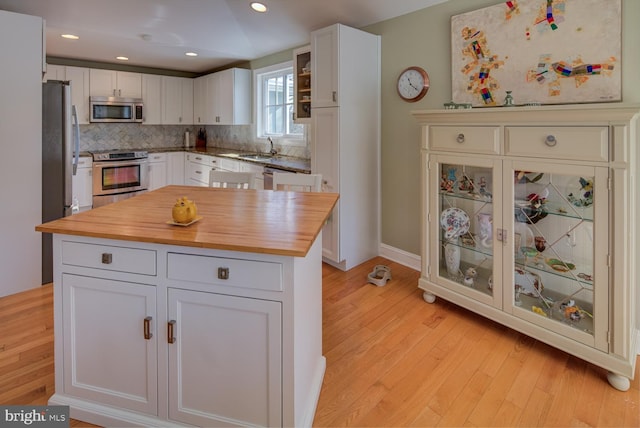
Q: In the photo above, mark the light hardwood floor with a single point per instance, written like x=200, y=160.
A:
x=392, y=360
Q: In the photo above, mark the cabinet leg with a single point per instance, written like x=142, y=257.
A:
x=428, y=297
x=619, y=382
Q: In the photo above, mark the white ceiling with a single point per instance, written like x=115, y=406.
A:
x=220, y=31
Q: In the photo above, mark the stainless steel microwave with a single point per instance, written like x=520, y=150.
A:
x=115, y=109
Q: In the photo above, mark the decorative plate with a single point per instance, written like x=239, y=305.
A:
x=175, y=223
x=454, y=222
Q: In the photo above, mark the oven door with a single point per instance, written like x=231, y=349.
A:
x=113, y=177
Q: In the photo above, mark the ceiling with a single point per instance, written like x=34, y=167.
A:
x=158, y=33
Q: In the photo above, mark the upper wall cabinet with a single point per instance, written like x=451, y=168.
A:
x=152, y=99
x=54, y=72
x=223, y=98
x=302, y=85
x=79, y=78
x=177, y=100
x=111, y=83
x=325, y=63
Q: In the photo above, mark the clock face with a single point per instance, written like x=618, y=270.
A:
x=413, y=84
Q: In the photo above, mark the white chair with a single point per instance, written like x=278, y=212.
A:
x=297, y=182
x=232, y=180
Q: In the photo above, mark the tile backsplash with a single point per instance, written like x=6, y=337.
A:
x=118, y=136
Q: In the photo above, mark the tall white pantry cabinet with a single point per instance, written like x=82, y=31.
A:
x=21, y=144
x=345, y=120
x=530, y=219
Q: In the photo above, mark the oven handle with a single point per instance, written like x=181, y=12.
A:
x=123, y=162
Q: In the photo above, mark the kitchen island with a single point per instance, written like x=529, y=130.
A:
x=216, y=323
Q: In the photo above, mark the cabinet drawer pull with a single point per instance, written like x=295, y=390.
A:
x=460, y=138
x=147, y=328
x=335, y=96
x=223, y=273
x=170, y=337
x=550, y=141
x=107, y=258
x=198, y=158
x=198, y=172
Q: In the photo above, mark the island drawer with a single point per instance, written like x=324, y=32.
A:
x=251, y=274
x=465, y=139
x=588, y=143
x=108, y=257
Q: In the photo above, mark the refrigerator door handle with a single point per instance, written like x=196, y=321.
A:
x=76, y=138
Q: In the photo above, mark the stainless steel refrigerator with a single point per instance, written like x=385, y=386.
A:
x=60, y=151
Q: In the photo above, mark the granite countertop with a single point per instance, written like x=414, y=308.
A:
x=282, y=162
x=278, y=161
x=292, y=224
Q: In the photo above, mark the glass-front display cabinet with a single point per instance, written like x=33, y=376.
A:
x=302, y=84
x=529, y=218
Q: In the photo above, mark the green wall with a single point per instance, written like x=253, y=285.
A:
x=423, y=38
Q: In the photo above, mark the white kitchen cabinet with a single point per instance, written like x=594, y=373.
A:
x=82, y=184
x=152, y=99
x=346, y=140
x=326, y=66
x=224, y=364
x=226, y=164
x=54, y=72
x=111, y=83
x=157, y=170
x=528, y=219
x=197, y=168
x=177, y=100
x=175, y=168
x=302, y=85
x=102, y=316
x=79, y=78
x=223, y=98
x=256, y=169
x=160, y=335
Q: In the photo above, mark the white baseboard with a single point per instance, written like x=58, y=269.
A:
x=400, y=256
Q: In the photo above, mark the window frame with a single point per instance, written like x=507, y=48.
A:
x=284, y=68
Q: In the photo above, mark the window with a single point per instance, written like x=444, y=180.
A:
x=274, y=103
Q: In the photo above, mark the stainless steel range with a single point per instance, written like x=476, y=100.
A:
x=119, y=175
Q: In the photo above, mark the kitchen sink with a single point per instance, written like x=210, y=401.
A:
x=258, y=157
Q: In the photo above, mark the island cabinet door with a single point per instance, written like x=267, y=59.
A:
x=110, y=342
x=225, y=360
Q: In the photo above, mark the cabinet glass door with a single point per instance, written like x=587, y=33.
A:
x=463, y=219
x=560, y=278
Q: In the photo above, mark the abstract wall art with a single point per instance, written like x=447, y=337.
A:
x=543, y=51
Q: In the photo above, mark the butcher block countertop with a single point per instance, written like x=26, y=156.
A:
x=256, y=221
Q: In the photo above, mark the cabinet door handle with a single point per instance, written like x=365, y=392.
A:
x=223, y=273
x=147, y=328
x=460, y=138
x=550, y=141
x=334, y=96
x=107, y=258
x=170, y=337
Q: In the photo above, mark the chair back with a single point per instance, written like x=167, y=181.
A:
x=232, y=180
x=297, y=182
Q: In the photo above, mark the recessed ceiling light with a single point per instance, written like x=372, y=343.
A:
x=258, y=7
x=122, y=58
x=70, y=36
x=191, y=54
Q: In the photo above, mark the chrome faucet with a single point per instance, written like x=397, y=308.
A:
x=273, y=152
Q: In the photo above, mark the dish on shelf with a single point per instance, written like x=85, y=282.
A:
x=455, y=222
x=175, y=223
x=559, y=265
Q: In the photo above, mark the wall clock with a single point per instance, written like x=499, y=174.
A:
x=413, y=84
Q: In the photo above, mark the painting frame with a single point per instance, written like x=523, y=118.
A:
x=542, y=51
